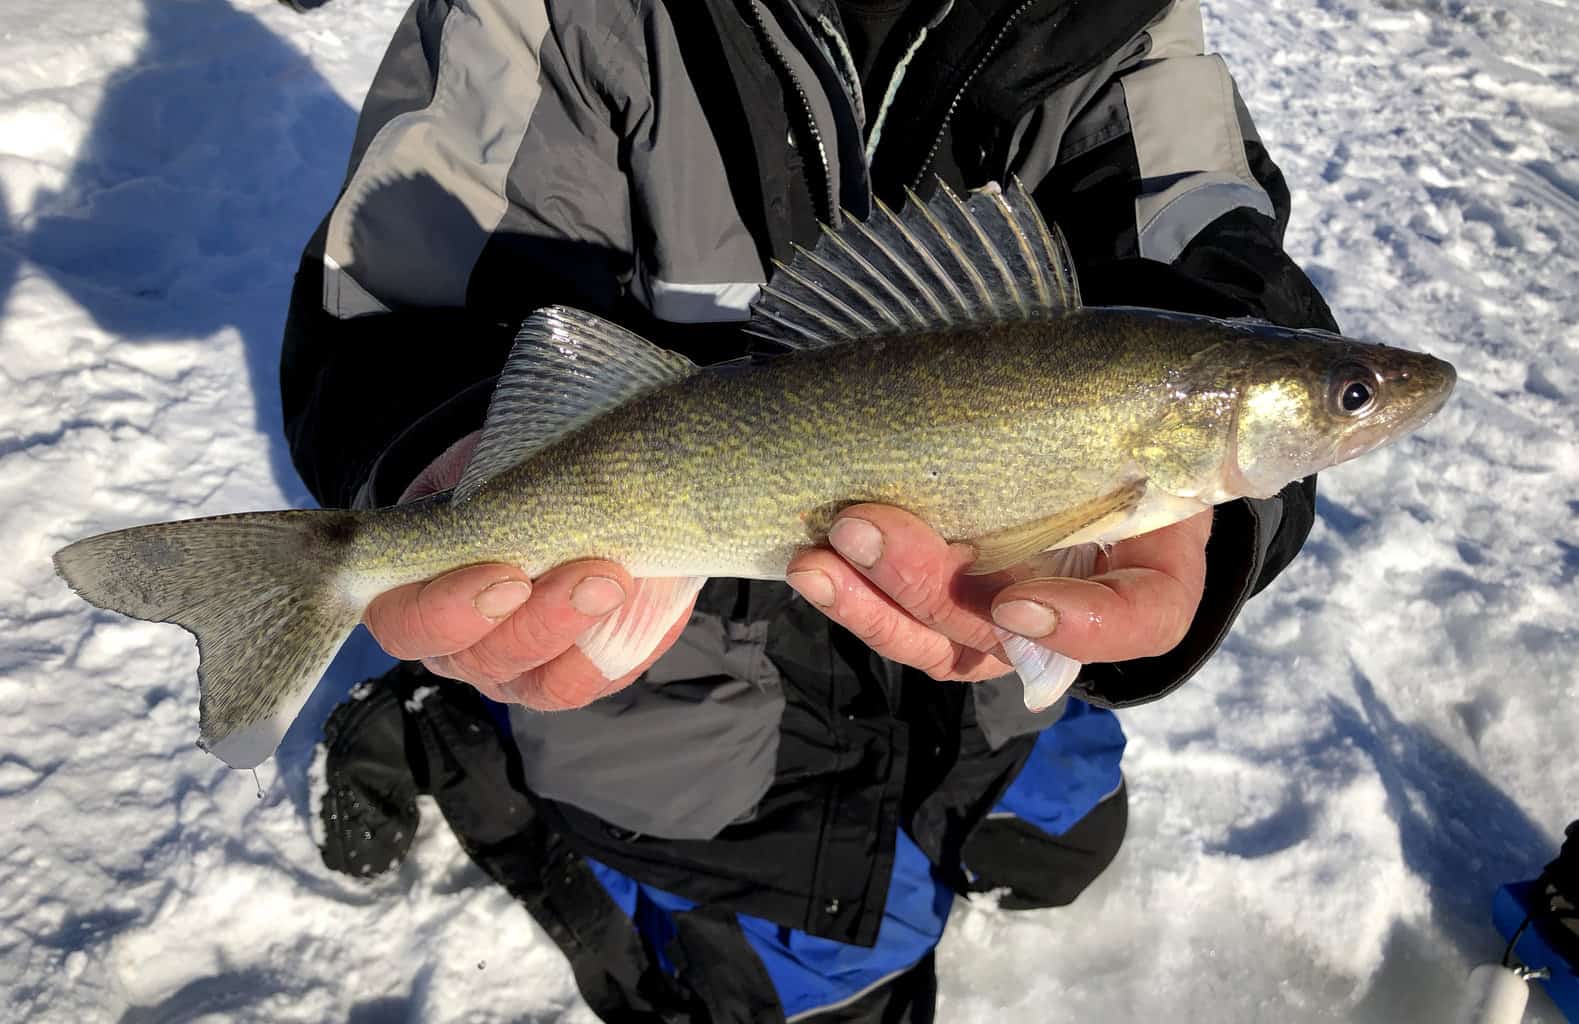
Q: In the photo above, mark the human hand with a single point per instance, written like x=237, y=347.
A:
x=899, y=586
x=511, y=637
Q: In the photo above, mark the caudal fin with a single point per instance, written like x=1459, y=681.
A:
x=261, y=592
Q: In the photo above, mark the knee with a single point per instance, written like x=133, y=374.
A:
x=1042, y=870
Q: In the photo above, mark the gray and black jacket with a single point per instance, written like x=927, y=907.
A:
x=647, y=160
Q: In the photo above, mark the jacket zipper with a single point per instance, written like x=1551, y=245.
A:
x=826, y=214
x=959, y=94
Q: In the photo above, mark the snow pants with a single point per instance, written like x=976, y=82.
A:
x=640, y=953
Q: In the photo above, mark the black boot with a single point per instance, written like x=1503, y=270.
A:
x=369, y=811
x=409, y=733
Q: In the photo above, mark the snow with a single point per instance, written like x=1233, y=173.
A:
x=1318, y=820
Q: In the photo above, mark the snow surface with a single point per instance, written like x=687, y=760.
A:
x=1318, y=821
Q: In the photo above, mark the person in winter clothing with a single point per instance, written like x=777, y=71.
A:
x=769, y=820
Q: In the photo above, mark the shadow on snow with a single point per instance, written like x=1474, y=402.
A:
x=208, y=163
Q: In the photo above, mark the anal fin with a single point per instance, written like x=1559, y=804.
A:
x=1018, y=544
x=625, y=638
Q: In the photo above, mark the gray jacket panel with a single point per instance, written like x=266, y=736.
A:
x=522, y=133
x=448, y=159
x=1184, y=115
x=685, y=751
x=1001, y=712
x=697, y=261
x=508, y=118
x=406, y=75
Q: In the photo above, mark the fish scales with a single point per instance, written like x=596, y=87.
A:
x=729, y=474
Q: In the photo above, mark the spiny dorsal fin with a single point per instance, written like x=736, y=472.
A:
x=946, y=262
x=567, y=368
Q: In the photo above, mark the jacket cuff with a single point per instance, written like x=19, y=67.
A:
x=415, y=448
x=1244, y=532
x=348, y=387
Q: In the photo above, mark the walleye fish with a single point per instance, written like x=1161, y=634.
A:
x=941, y=361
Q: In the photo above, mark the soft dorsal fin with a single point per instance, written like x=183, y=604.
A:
x=943, y=263
x=567, y=368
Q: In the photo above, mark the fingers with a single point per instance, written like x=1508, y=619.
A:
x=565, y=603
x=444, y=615
x=571, y=681
x=513, y=639
x=901, y=588
x=1141, y=607
x=897, y=585
x=488, y=625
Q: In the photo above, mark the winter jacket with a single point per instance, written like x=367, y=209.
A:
x=648, y=160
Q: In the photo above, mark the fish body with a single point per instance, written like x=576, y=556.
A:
x=1025, y=427
x=974, y=431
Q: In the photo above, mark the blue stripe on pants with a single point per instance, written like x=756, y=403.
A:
x=1073, y=767
x=808, y=972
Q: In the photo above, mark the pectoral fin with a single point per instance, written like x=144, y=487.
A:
x=998, y=551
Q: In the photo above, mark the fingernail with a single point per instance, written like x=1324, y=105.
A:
x=501, y=599
x=857, y=540
x=814, y=585
x=1026, y=618
x=597, y=595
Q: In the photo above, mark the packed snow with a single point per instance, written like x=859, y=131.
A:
x=1318, y=821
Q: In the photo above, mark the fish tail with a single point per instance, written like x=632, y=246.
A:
x=267, y=594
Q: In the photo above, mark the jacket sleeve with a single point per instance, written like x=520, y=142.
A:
x=495, y=170
x=485, y=181
x=1170, y=200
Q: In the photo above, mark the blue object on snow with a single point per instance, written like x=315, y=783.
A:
x=1508, y=911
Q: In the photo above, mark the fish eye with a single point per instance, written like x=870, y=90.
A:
x=1354, y=389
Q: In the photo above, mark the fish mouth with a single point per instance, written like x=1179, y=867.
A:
x=1446, y=380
